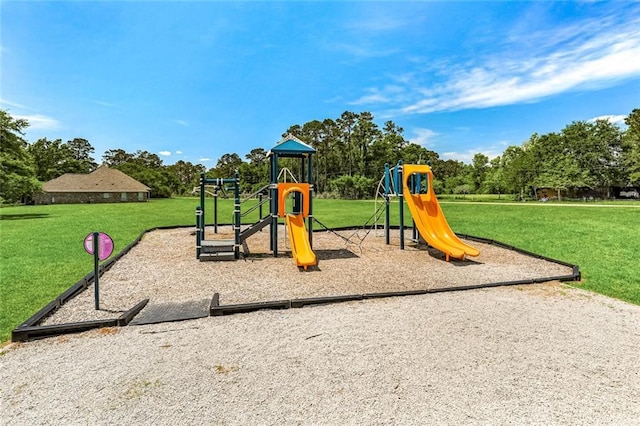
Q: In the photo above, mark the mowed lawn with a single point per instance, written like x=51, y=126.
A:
x=42, y=254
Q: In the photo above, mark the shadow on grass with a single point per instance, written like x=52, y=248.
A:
x=24, y=216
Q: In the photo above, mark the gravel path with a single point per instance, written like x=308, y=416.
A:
x=543, y=354
x=533, y=354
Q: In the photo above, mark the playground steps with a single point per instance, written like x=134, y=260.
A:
x=217, y=250
x=255, y=228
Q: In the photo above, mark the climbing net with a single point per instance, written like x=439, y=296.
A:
x=356, y=238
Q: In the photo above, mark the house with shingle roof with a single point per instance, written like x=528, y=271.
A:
x=103, y=185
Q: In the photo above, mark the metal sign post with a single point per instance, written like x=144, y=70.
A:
x=96, y=270
x=100, y=245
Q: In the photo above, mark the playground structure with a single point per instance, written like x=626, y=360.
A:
x=411, y=183
x=300, y=235
x=377, y=273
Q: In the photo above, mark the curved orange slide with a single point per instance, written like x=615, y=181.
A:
x=300, y=247
x=429, y=218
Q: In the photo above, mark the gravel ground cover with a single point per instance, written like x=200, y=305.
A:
x=163, y=268
x=532, y=354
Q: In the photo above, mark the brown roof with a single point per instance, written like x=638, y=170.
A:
x=103, y=179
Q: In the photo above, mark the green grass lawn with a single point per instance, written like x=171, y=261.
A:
x=42, y=255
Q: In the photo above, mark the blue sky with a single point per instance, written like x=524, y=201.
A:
x=193, y=80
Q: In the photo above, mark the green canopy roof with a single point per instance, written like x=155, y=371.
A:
x=290, y=145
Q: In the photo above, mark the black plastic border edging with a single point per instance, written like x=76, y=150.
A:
x=217, y=309
x=126, y=317
x=299, y=303
x=36, y=318
x=30, y=329
x=220, y=310
x=24, y=333
x=39, y=331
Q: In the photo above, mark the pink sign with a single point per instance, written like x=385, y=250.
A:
x=105, y=245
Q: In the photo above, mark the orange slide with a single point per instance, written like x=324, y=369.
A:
x=300, y=247
x=429, y=219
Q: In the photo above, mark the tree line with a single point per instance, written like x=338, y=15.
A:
x=351, y=152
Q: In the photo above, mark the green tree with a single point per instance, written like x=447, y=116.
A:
x=412, y=153
x=116, y=157
x=551, y=163
x=452, y=172
x=144, y=167
x=366, y=133
x=595, y=148
x=518, y=169
x=227, y=166
x=185, y=176
x=81, y=151
x=255, y=173
x=353, y=187
x=479, y=168
x=353, y=145
x=322, y=135
x=631, y=148
x=53, y=159
x=495, y=181
x=387, y=148
x=346, y=142
x=17, y=173
x=608, y=162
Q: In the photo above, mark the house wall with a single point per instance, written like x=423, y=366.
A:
x=90, y=197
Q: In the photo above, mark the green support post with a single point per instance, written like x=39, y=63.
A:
x=310, y=217
x=236, y=211
x=401, y=199
x=387, y=219
x=215, y=210
x=274, y=204
x=202, y=184
x=199, y=231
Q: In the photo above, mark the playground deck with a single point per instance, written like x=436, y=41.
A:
x=163, y=268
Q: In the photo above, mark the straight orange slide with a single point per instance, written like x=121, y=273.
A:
x=300, y=247
x=429, y=219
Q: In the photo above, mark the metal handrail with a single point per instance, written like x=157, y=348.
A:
x=258, y=192
x=254, y=208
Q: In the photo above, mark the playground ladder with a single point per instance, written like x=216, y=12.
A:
x=217, y=250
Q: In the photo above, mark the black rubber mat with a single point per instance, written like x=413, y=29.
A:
x=167, y=312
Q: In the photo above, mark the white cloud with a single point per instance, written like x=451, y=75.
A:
x=204, y=159
x=372, y=98
x=467, y=155
x=181, y=122
x=528, y=67
x=423, y=136
x=390, y=93
x=104, y=104
x=178, y=152
x=363, y=50
x=12, y=104
x=40, y=122
x=165, y=153
x=613, y=119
